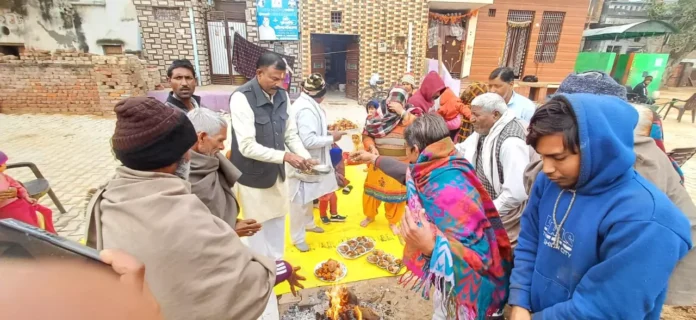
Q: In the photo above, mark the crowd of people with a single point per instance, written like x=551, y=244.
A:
x=570, y=210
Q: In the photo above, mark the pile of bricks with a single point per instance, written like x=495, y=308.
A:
x=71, y=82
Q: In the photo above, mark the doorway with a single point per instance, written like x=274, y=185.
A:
x=336, y=57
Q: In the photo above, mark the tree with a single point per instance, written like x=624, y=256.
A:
x=682, y=15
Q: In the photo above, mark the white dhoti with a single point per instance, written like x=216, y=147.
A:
x=268, y=207
x=301, y=219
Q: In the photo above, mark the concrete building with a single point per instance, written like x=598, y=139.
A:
x=617, y=12
x=94, y=26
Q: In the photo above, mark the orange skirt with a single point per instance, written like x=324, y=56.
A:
x=383, y=187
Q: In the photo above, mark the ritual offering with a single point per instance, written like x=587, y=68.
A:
x=343, y=124
x=385, y=261
x=355, y=247
x=330, y=271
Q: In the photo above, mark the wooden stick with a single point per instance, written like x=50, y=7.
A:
x=439, y=56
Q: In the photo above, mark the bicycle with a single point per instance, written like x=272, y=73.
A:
x=373, y=92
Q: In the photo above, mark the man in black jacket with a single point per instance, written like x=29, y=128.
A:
x=182, y=78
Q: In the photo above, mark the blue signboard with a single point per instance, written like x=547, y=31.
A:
x=277, y=19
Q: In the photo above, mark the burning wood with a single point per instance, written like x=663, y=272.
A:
x=344, y=305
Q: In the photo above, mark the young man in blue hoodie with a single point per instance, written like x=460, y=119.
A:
x=598, y=241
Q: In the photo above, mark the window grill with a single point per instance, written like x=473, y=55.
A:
x=549, y=37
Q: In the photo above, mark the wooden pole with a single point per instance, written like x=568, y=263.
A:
x=439, y=56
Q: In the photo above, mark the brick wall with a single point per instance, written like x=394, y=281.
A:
x=290, y=48
x=166, y=31
x=374, y=21
x=70, y=82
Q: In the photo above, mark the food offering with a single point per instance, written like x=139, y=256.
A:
x=330, y=271
x=356, y=247
x=343, y=124
x=385, y=261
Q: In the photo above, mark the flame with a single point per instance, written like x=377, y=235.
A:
x=338, y=304
x=357, y=313
x=335, y=303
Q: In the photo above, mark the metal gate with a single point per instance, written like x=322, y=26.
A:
x=220, y=42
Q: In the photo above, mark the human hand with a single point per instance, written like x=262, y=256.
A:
x=247, y=228
x=337, y=135
x=419, y=237
x=10, y=193
x=131, y=272
x=362, y=156
x=294, y=280
x=519, y=313
x=296, y=161
x=374, y=150
x=32, y=200
x=398, y=108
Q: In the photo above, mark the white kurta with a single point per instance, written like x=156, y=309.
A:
x=515, y=155
x=312, y=127
x=262, y=204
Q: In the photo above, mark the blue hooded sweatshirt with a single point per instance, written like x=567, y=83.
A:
x=622, y=236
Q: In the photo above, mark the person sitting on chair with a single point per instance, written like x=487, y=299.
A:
x=641, y=91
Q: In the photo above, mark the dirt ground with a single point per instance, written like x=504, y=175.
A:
x=394, y=302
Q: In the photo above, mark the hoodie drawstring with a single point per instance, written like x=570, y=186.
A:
x=559, y=226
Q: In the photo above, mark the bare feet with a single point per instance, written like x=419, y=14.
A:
x=366, y=222
x=394, y=229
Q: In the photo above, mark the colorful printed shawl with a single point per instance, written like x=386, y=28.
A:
x=471, y=262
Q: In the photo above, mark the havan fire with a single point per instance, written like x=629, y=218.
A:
x=344, y=305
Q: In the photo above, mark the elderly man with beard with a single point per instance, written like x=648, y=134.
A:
x=197, y=266
x=499, y=153
x=212, y=175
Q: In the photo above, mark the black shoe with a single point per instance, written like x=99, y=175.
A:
x=337, y=218
x=325, y=220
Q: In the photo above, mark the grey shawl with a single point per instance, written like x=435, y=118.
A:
x=212, y=179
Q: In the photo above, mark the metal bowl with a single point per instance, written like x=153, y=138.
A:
x=321, y=168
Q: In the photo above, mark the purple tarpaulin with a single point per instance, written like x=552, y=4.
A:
x=214, y=100
x=454, y=84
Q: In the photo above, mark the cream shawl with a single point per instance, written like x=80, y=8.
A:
x=211, y=181
x=196, y=265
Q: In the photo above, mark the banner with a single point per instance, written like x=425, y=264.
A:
x=277, y=20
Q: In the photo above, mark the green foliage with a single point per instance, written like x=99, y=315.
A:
x=682, y=15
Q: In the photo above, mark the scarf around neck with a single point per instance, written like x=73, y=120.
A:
x=471, y=262
x=383, y=123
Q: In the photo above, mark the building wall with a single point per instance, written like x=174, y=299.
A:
x=289, y=48
x=69, y=24
x=80, y=83
x=491, y=33
x=166, y=34
x=374, y=21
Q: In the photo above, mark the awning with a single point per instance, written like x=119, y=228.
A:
x=647, y=28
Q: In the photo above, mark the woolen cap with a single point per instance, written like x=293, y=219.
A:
x=593, y=82
x=150, y=135
x=314, y=86
x=409, y=78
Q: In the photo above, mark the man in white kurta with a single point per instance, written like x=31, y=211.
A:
x=499, y=153
x=313, y=131
x=261, y=130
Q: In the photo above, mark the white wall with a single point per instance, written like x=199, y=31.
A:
x=115, y=20
x=101, y=19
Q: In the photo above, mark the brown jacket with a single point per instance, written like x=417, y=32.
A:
x=655, y=166
x=196, y=265
x=212, y=179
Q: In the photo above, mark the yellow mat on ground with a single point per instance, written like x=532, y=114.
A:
x=323, y=245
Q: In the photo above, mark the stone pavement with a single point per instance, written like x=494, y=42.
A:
x=74, y=153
